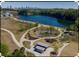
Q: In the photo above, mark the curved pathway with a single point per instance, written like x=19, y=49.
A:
x=19, y=44
x=32, y=41
x=22, y=38
x=62, y=48
x=13, y=37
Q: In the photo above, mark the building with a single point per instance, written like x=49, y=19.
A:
x=6, y=14
x=40, y=47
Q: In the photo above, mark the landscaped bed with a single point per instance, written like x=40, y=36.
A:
x=30, y=37
x=27, y=44
x=68, y=37
x=44, y=31
x=29, y=54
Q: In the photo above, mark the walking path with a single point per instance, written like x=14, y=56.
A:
x=15, y=41
x=23, y=36
x=19, y=44
x=62, y=48
x=32, y=41
x=13, y=37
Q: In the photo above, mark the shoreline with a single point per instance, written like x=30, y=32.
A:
x=22, y=20
x=16, y=19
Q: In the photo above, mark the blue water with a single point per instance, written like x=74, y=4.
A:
x=42, y=19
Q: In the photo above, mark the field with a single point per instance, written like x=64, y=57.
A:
x=70, y=50
x=6, y=39
x=16, y=27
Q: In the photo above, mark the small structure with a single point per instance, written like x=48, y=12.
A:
x=71, y=33
x=6, y=14
x=40, y=47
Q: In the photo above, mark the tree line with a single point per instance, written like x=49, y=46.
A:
x=67, y=17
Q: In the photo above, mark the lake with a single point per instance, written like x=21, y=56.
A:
x=42, y=19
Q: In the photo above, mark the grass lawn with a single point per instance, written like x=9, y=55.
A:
x=29, y=54
x=27, y=44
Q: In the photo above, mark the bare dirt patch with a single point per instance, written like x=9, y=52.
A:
x=16, y=27
x=70, y=50
x=6, y=39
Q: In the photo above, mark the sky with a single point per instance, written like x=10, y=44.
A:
x=44, y=4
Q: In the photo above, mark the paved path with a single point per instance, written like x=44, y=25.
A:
x=62, y=48
x=22, y=39
x=32, y=41
x=15, y=41
x=19, y=44
x=13, y=37
x=23, y=36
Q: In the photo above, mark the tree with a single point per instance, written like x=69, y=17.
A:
x=4, y=49
x=21, y=52
x=18, y=52
x=77, y=24
x=14, y=53
x=29, y=54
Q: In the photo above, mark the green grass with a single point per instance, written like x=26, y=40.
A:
x=29, y=54
x=27, y=44
x=4, y=49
